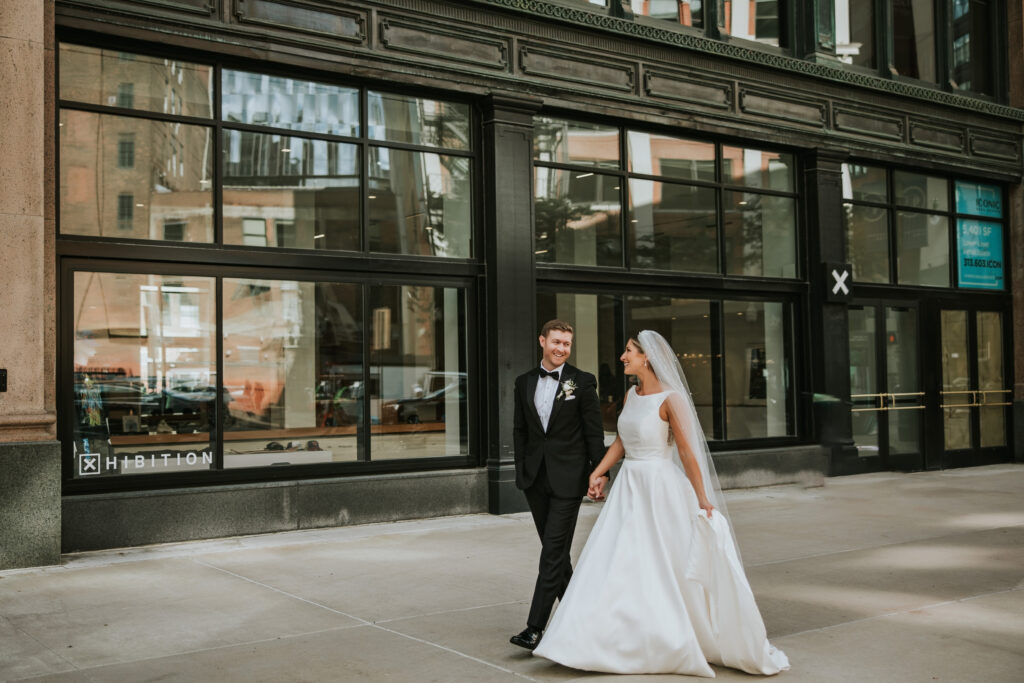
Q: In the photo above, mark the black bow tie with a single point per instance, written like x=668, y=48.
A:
x=544, y=373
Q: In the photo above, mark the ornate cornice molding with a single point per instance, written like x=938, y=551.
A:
x=624, y=27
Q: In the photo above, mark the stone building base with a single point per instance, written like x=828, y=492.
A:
x=114, y=520
x=29, y=504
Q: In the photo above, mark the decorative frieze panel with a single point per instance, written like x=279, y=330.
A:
x=573, y=68
x=772, y=105
x=936, y=137
x=196, y=8
x=207, y=7
x=871, y=124
x=452, y=46
x=437, y=43
x=994, y=148
x=688, y=89
x=337, y=24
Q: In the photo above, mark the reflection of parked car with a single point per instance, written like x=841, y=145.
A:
x=429, y=407
x=193, y=398
x=117, y=397
x=345, y=407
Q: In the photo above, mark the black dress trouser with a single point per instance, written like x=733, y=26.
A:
x=555, y=519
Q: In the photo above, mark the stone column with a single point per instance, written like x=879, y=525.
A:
x=29, y=453
x=510, y=299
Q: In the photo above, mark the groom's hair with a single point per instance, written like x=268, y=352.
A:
x=556, y=324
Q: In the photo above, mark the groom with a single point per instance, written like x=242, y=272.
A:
x=559, y=441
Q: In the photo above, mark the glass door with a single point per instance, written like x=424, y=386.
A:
x=885, y=385
x=975, y=394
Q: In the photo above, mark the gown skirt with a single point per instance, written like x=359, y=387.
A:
x=659, y=587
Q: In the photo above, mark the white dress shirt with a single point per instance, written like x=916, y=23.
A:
x=544, y=397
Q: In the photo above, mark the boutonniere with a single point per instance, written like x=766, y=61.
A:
x=568, y=389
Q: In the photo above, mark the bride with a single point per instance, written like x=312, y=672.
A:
x=659, y=587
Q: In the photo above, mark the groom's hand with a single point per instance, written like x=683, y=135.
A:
x=596, y=490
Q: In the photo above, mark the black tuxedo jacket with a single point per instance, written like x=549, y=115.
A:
x=573, y=444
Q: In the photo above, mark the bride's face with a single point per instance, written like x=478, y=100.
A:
x=632, y=358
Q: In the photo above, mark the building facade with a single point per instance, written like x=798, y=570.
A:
x=274, y=264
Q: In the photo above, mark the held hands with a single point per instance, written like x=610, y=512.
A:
x=596, y=490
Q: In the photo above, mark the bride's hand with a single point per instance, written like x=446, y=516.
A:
x=596, y=490
x=706, y=506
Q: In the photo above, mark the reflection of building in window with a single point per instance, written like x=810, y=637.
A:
x=688, y=167
x=854, y=32
x=962, y=50
x=254, y=232
x=126, y=95
x=174, y=230
x=125, y=211
x=126, y=150
x=758, y=20
x=285, y=233
x=914, y=38
x=683, y=12
x=971, y=71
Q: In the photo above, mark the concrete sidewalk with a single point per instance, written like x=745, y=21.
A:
x=884, y=577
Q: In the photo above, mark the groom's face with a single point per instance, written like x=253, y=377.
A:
x=556, y=348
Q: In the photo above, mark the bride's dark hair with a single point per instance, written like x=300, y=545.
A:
x=635, y=338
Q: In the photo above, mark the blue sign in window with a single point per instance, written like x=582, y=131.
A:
x=979, y=253
x=979, y=199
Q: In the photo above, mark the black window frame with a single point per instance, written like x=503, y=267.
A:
x=623, y=281
x=892, y=207
x=719, y=185
x=795, y=316
x=215, y=259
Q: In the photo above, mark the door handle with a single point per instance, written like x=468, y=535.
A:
x=892, y=401
x=984, y=402
x=973, y=399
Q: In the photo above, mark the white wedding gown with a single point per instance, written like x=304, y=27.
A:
x=658, y=587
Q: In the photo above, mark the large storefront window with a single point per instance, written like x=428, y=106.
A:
x=298, y=387
x=292, y=364
x=692, y=206
x=282, y=191
x=737, y=355
x=229, y=361
x=418, y=386
x=758, y=391
x=909, y=228
x=135, y=178
x=686, y=325
x=145, y=373
x=596, y=344
x=299, y=170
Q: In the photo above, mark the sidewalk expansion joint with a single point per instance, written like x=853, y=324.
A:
x=365, y=622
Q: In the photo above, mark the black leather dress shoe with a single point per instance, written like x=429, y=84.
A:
x=528, y=638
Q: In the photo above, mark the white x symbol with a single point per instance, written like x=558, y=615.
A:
x=840, y=282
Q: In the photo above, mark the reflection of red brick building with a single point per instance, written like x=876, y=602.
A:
x=133, y=177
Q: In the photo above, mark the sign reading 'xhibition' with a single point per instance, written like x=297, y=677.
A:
x=97, y=463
